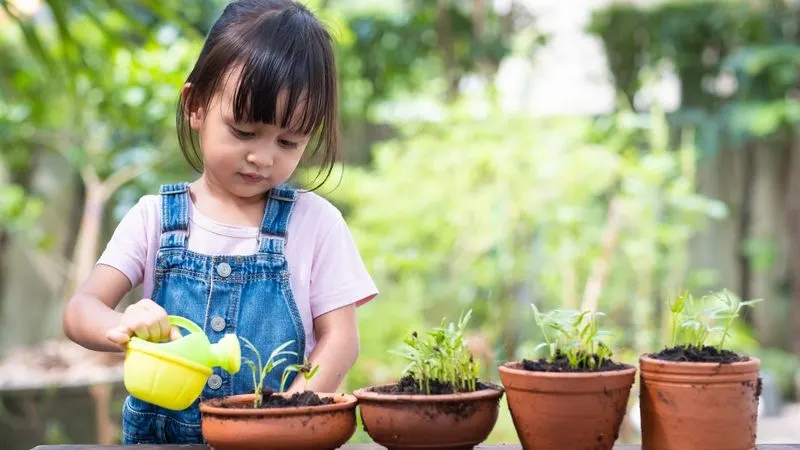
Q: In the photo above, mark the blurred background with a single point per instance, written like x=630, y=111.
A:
x=581, y=153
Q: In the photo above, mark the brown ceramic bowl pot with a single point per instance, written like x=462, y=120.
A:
x=567, y=410
x=710, y=406
x=449, y=421
x=227, y=425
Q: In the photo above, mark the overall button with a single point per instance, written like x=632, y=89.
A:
x=215, y=381
x=224, y=269
x=217, y=323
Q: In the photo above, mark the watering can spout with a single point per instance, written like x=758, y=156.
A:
x=227, y=354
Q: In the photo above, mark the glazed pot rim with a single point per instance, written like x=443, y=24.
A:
x=342, y=402
x=368, y=393
x=512, y=368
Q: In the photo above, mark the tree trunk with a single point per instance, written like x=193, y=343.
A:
x=75, y=218
x=85, y=253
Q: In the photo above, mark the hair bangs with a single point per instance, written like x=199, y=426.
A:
x=275, y=86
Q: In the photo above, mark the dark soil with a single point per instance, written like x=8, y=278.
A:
x=561, y=364
x=409, y=386
x=696, y=354
x=307, y=398
x=462, y=410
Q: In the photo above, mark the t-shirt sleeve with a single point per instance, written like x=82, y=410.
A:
x=338, y=275
x=127, y=249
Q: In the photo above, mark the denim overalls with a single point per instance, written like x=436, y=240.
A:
x=247, y=295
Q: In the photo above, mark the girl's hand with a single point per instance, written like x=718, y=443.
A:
x=145, y=319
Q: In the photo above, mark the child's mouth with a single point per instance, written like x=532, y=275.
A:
x=252, y=178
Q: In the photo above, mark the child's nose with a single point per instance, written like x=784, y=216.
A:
x=260, y=158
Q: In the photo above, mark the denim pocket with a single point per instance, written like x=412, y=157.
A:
x=143, y=423
x=138, y=425
x=183, y=427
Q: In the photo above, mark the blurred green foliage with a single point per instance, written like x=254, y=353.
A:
x=710, y=43
x=472, y=213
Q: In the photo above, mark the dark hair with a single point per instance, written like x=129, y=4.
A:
x=278, y=45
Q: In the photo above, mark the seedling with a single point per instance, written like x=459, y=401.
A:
x=260, y=371
x=304, y=369
x=693, y=322
x=573, y=334
x=442, y=355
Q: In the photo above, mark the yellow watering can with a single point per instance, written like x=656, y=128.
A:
x=172, y=374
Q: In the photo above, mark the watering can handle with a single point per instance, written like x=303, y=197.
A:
x=184, y=323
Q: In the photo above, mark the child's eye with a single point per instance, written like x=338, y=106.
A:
x=241, y=134
x=287, y=144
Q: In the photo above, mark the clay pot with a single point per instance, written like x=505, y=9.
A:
x=227, y=426
x=450, y=421
x=566, y=410
x=686, y=405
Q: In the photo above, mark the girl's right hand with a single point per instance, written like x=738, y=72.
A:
x=145, y=319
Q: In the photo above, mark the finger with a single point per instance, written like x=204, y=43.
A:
x=164, y=328
x=142, y=330
x=157, y=323
x=154, y=329
x=136, y=321
x=118, y=336
x=174, y=333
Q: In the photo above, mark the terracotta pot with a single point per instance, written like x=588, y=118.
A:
x=226, y=426
x=451, y=421
x=580, y=410
x=709, y=406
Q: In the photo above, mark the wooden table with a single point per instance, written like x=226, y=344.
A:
x=346, y=447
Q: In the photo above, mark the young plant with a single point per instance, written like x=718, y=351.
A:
x=260, y=371
x=573, y=335
x=694, y=322
x=304, y=369
x=442, y=356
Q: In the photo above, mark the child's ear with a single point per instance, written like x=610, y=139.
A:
x=196, y=115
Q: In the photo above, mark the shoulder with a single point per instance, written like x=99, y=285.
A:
x=312, y=209
x=148, y=206
x=144, y=215
x=150, y=202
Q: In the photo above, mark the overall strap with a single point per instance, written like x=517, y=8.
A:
x=174, y=215
x=278, y=210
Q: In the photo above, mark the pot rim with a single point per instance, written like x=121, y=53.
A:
x=368, y=394
x=342, y=402
x=511, y=368
x=650, y=364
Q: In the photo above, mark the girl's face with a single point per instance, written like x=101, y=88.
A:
x=246, y=159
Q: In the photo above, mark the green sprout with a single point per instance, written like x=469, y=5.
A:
x=304, y=369
x=574, y=335
x=260, y=371
x=442, y=355
x=693, y=322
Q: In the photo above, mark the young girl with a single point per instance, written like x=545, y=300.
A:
x=238, y=250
